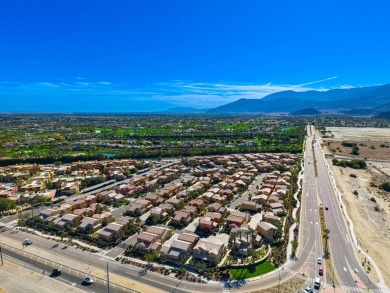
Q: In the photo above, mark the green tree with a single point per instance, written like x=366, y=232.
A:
x=294, y=244
x=150, y=257
x=6, y=205
x=385, y=186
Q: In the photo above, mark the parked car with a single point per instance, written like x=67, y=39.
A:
x=320, y=271
x=27, y=242
x=56, y=272
x=308, y=290
x=319, y=261
x=87, y=281
x=326, y=208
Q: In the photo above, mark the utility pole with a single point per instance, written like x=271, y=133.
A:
x=1, y=256
x=108, y=281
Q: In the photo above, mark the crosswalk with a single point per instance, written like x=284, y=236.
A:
x=360, y=290
x=348, y=289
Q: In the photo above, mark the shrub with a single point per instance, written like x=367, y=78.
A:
x=352, y=175
x=354, y=164
x=348, y=144
x=355, y=192
x=373, y=199
x=385, y=186
x=355, y=151
x=377, y=208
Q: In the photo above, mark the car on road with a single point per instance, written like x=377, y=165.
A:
x=317, y=283
x=326, y=208
x=27, y=242
x=320, y=271
x=87, y=281
x=56, y=272
x=308, y=290
x=319, y=261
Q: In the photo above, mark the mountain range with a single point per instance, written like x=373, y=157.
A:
x=358, y=101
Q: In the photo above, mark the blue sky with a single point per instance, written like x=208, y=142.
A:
x=130, y=56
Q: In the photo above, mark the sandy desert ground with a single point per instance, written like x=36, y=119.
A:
x=358, y=133
x=369, y=210
x=374, y=150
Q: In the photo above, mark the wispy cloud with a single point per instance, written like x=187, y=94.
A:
x=316, y=81
x=178, y=92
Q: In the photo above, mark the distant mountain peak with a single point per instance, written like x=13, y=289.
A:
x=289, y=101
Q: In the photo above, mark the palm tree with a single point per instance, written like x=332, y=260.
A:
x=233, y=236
x=326, y=238
x=138, y=222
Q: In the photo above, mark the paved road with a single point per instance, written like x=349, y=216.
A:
x=65, y=277
x=347, y=267
x=252, y=189
x=98, y=260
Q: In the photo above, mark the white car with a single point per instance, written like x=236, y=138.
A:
x=88, y=281
x=308, y=290
x=27, y=242
x=319, y=261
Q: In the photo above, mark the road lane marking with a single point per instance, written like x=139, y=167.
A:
x=344, y=269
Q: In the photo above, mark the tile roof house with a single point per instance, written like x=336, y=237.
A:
x=103, y=217
x=190, y=209
x=209, y=249
x=261, y=198
x=152, y=239
x=89, y=224
x=139, y=207
x=181, y=247
x=248, y=205
x=176, y=202
x=237, y=220
x=67, y=220
x=162, y=232
x=206, y=224
x=47, y=213
x=111, y=231
x=154, y=199
x=181, y=218
x=198, y=203
x=214, y=207
x=158, y=213
x=267, y=230
x=271, y=218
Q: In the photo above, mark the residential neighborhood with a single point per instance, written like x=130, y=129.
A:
x=194, y=211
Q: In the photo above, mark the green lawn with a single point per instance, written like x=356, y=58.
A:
x=235, y=126
x=261, y=269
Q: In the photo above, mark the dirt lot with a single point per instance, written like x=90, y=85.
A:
x=374, y=150
x=358, y=133
x=369, y=210
x=11, y=275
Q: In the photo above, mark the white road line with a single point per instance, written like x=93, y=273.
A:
x=344, y=269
